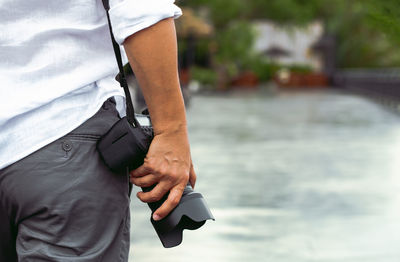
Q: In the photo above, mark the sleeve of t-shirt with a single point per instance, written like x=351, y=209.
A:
x=130, y=16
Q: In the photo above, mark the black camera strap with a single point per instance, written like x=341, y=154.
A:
x=130, y=111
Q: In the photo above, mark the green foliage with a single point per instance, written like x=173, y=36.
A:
x=367, y=31
x=235, y=42
x=283, y=11
x=263, y=68
x=222, y=12
x=359, y=44
x=385, y=15
x=298, y=68
x=205, y=76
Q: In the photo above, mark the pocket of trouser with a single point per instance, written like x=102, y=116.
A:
x=99, y=123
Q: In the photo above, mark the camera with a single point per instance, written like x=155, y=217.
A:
x=124, y=147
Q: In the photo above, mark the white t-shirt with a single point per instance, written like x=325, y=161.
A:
x=57, y=65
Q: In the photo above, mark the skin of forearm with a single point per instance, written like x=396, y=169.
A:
x=152, y=54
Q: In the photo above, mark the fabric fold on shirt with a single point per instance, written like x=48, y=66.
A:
x=130, y=16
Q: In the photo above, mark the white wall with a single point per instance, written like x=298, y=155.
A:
x=296, y=40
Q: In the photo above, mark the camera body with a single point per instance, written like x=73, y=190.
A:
x=125, y=146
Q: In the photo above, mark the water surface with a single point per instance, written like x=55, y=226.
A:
x=290, y=177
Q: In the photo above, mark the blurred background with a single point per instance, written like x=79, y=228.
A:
x=293, y=110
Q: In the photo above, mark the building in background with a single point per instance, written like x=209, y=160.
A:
x=289, y=46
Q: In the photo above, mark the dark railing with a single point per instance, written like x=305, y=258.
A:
x=375, y=82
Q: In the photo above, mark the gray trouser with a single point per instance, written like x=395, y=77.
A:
x=61, y=203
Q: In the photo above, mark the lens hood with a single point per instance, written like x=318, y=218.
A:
x=191, y=213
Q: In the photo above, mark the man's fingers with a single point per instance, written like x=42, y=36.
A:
x=155, y=194
x=192, y=176
x=140, y=171
x=144, y=181
x=172, y=201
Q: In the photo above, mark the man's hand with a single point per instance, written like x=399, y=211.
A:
x=167, y=164
x=152, y=54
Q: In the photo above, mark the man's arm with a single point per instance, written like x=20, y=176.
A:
x=152, y=54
